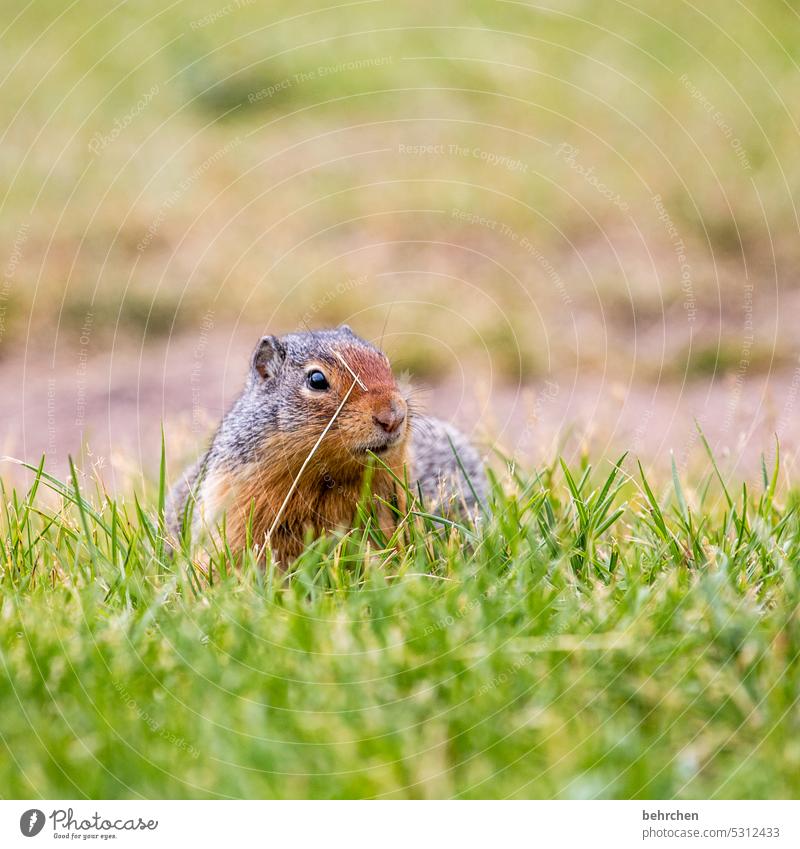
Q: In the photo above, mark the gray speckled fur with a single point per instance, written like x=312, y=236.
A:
x=271, y=401
x=435, y=468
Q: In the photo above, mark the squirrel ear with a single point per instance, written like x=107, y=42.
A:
x=346, y=328
x=268, y=357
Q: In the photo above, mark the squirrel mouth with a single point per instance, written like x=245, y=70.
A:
x=377, y=449
x=380, y=447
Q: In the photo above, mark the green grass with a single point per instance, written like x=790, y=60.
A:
x=591, y=637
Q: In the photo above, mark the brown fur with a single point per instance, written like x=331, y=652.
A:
x=319, y=503
x=316, y=506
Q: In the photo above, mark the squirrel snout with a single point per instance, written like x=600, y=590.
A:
x=390, y=418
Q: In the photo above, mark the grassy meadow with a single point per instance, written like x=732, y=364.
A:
x=587, y=638
x=520, y=199
x=554, y=186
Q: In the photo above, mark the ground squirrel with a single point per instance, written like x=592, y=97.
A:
x=314, y=406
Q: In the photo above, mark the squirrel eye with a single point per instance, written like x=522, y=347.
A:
x=317, y=380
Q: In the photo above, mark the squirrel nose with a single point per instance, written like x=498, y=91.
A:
x=390, y=418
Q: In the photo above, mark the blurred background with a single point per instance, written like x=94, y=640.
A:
x=574, y=224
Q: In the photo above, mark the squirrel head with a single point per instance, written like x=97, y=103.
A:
x=312, y=379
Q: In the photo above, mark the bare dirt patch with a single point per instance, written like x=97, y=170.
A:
x=109, y=409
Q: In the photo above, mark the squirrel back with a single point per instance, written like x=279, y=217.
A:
x=289, y=458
